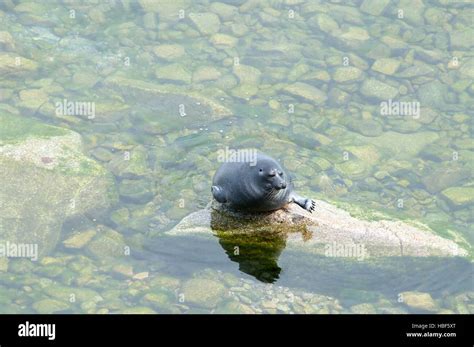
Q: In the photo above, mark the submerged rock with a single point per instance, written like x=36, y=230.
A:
x=459, y=196
x=203, y=292
x=323, y=232
x=374, y=7
x=373, y=88
x=12, y=64
x=46, y=178
x=419, y=300
x=207, y=23
x=307, y=92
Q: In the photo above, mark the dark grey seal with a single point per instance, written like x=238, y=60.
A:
x=257, y=186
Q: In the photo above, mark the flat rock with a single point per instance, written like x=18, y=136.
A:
x=328, y=226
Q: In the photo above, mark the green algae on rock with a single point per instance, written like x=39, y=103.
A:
x=47, y=179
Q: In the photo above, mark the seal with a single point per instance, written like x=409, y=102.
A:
x=258, y=186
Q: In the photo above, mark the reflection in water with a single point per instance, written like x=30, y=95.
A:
x=257, y=255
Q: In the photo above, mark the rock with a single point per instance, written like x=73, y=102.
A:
x=136, y=191
x=355, y=35
x=12, y=64
x=319, y=75
x=373, y=88
x=80, y=239
x=173, y=73
x=169, y=52
x=3, y=264
x=123, y=270
x=6, y=40
x=32, y=99
x=374, y=7
x=84, y=79
x=353, y=169
x=168, y=94
x=46, y=178
x=225, y=11
x=367, y=127
x=387, y=66
x=239, y=29
x=149, y=20
x=141, y=276
x=459, y=196
x=324, y=22
x=223, y=40
x=467, y=69
x=433, y=94
x=245, y=91
x=130, y=164
x=413, y=11
x=167, y=282
x=207, y=23
x=120, y=217
x=462, y=38
x=312, y=233
x=137, y=310
x=402, y=145
x=307, y=92
x=365, y=308
x=158, y=299
x=48, y=306
x=203, y=292
x=96, y=15
x=347, y=74
x=444, y=177
x=107, y=243
x=417, y=70
x=419, y=301
x=234, y=307
x=247, y=74
x=167, y=10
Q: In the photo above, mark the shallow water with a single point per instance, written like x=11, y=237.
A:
x=175, y=83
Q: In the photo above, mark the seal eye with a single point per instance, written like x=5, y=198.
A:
x=280, y=173
x=261, y=170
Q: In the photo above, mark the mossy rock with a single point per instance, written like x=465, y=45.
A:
x=48, y=306
x=47, y=179
x=203, y=292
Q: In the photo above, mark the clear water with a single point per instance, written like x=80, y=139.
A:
x=301, y=81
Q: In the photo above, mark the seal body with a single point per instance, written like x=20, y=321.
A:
x=261, y=185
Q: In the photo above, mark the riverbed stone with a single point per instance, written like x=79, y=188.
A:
x=419, y=300
x=80, y=239
x=306, y=92
x=205, y=293
x=207, y=23
x=373, y=88
x=247, y=74
x=11, y=63
x=459, y=196
x=175, y=73
x=374, y=7
x=387, y=66
x=48, y=179
x=347, y=74
x=169, y=52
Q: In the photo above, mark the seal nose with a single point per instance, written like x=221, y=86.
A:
x=283, y=185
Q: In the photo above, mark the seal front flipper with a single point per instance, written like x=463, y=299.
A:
x=219, y=194
x=307, y=204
